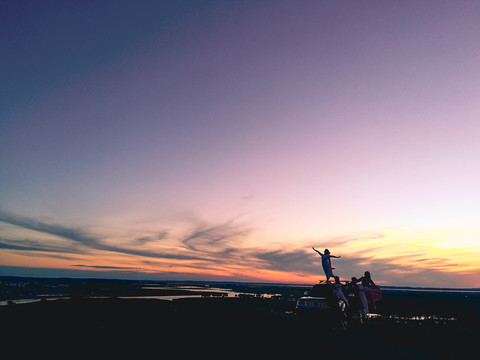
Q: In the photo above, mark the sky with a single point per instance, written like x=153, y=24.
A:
x=221, y=140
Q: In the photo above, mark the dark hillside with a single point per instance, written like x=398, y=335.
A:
x=219, y=327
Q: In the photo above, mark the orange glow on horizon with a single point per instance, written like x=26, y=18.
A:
x=395, y=257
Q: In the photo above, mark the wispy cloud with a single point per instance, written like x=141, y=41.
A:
x=73, y=234
x=229, y=249
x=105, y=267
x=216, y=239
x=209, y=247
x=33, y=248
x=154, y=238
x=290, y=260
x=79, y=240
x=30, y=245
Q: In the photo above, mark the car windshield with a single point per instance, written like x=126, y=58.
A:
x=323, y=290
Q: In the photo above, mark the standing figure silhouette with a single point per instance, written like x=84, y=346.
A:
x=326, y=264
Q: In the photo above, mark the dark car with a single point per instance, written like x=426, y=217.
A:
x=322, y=307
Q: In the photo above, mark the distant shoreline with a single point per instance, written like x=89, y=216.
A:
x=433, y=289
x=4, y=278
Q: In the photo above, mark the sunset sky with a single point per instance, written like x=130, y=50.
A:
x=221, y=140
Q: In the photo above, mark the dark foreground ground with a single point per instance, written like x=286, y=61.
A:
x=225, y=327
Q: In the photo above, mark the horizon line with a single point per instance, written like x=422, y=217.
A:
x=386, y=287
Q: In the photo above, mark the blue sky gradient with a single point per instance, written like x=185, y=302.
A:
x=225, y=138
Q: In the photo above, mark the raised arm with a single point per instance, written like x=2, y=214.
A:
x=319, y=253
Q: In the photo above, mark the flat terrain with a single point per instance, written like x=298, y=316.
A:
x=254, y=327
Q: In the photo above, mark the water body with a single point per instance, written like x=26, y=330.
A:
x=213, y=290
x=28, y=301
x=162, y=297
x=469, y=291
x=193, y=289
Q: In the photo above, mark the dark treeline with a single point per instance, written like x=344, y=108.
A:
x=219, y=327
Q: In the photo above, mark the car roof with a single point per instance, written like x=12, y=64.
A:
x=322, y=290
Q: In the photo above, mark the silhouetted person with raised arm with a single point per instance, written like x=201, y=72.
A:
x=326, y=264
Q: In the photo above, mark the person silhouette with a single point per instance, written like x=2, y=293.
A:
x=337, y=290
x=363, y=298
x=327, y=267
x=372, y=291
x=353, y=294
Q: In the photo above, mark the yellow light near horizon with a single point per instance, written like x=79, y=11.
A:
x=449, y=251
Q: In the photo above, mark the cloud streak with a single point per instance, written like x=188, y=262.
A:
x=79, y=240
x=225, y=250
x=294, y=260
x=104, y=267
x=75, y=235
x=216, y=240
